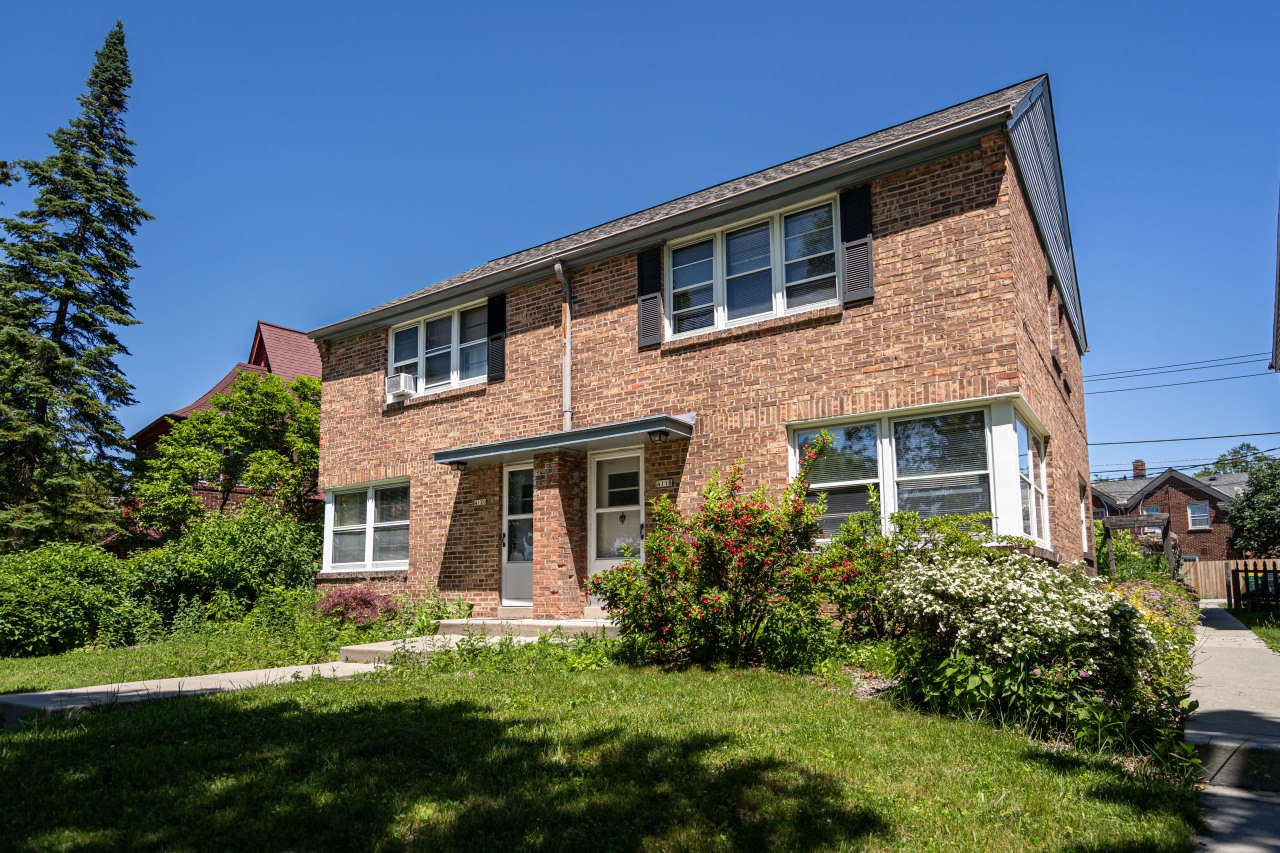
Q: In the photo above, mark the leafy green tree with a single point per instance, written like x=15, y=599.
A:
x=1241, y=459
x=264, y=434
x=1254, y=515
x=63, y=293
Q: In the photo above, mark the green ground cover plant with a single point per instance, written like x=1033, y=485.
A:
x=511, y=753
x=286, y=627
x=1264, y=623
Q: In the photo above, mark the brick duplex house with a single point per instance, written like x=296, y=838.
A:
x=1194, y=504
x=498, y=435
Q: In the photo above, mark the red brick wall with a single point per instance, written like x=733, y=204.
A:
x=1050, y=376
x=953, y=277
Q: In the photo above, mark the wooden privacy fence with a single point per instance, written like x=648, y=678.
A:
x=1255, y=579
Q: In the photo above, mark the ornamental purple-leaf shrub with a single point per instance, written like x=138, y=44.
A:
x=356, y=605
x=735, y=581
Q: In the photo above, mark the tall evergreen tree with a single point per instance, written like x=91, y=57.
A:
x=64, y=291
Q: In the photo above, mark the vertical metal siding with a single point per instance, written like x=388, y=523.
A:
x=1035, y=150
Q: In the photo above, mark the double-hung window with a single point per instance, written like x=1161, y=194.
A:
x=445, y=351
x=369, y=527
x=784, y=263
x=1031, y=483
x=1198, y=516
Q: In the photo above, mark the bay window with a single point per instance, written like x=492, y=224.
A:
x=445, y=351
x=367, y=527
x=933, y=464
x=782, y=263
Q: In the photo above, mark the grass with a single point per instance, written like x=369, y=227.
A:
x=1266, y=624
x=543, y=759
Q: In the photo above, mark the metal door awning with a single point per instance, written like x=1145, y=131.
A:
x=606, y=437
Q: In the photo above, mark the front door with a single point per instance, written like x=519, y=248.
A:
x=616, y=520
x=517, y=536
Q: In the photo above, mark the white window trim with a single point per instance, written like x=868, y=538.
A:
x=777, y=261
x=1208, y=514
x=1038, y=483
x=998, y=459
x=327, y=565
x=455, y=346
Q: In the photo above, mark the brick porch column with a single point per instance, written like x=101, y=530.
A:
x=559, y=534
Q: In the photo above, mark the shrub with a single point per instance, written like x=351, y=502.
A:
x=863, y=544
x=1014, y=638
x=733, y=582
x=357, y=605
x=58, y=596
x=239, y=553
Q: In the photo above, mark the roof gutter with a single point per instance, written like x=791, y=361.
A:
x=860, y=168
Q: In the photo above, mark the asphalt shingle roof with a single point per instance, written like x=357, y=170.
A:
x=290, y=353
x=1005, y=98
x=1123, y=491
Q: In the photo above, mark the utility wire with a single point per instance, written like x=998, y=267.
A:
x=1175, y=364
x=1172, y=384
x=1175, y=370
x=1191, y=463
x=1193, y=438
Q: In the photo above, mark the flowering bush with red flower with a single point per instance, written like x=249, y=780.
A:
x=736, y=581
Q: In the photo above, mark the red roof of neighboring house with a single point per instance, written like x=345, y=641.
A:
x=284, y=352
x=278, y=350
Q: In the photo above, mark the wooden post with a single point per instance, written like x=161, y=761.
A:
x=1168, y=552
x=1111, y=557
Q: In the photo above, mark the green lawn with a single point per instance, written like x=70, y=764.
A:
x=1266, y=624
x=540, y=760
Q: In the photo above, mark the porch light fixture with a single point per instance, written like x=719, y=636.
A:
x=458, y=466
x=659, y=436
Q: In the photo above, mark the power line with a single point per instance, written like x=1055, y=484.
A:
x=1175, y=364
x=1172, y=384
x=1193, y=438
x=1140, y=374
x=1191, y=463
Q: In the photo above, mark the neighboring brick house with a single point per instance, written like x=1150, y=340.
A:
x=1194, y=504
x=498, y=435
x=278, y=350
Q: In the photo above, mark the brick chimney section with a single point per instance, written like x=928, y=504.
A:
x=1139, y=469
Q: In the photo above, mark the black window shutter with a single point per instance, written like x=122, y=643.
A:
x=649, y=296
x=497, y=356
x=855, y=237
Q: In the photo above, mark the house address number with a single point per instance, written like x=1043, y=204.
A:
x=665, y=484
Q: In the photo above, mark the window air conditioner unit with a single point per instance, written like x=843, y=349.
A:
x=401, y=385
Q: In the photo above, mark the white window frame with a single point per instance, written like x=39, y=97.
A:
x=370, y=524
x=886, y=457
x=777, y=250
x=507, y=565
x=1086, y=520
x=455, y=351
x=1208, y=516
x=1037, y=482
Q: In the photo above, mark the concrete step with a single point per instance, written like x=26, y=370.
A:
x=525, y=627
x=50, y=703
x=1237, y=761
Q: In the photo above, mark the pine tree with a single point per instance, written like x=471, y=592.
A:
x=64, y=290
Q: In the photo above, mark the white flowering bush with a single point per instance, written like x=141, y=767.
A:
x=1010, y=606
x=1008, y=636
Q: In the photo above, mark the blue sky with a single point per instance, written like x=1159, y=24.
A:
x=305, y=161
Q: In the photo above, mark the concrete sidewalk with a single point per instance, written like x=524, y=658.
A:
x=1237, y=683
x=48, y=703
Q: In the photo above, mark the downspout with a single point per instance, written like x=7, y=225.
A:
x=566, y=357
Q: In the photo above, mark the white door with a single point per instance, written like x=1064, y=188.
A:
x=517, y=536
x=616, y=497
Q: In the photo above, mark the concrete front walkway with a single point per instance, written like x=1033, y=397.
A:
x=47, y=703
x=1237, y=683
x=1237, y=727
